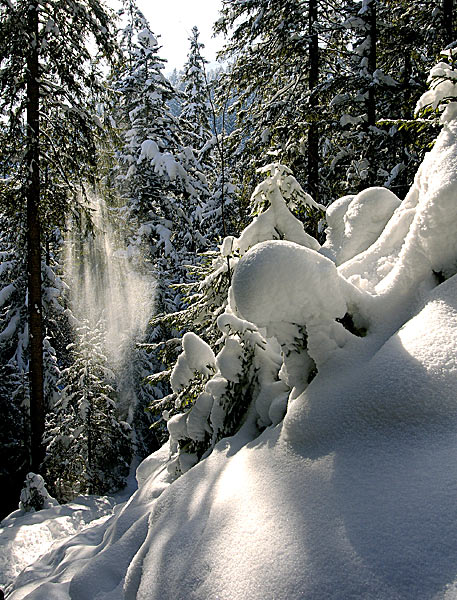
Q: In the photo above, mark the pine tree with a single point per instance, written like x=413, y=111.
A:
x=377, y=141
x=281, y=51
x=160, y=192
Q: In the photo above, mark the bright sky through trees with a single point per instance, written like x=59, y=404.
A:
x=173, y=21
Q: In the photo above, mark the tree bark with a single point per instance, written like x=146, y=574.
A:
x=448, y=25
x=313, y=79
x=371, y=101
x=33, y=243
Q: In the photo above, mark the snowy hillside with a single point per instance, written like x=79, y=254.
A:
x=354, y=493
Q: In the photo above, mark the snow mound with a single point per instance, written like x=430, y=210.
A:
x=365, y=509
x=279, y=281
x=354, y=223
x=197, y=356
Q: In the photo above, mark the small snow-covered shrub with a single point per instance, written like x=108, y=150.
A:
x=34, y=495
x=213, y=394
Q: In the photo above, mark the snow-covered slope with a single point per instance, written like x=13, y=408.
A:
x=354, y=494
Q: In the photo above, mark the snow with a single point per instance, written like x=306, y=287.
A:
x=197, y=357
x=25, y=536
x=280, y=190
x=280, y=282
x=353, y=493
x=146, y=38
x=356, y=222
x=442, y=86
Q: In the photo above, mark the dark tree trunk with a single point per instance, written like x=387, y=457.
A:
x=448, y=25
x=33, y=243
x=371, y=101
x=90, y=458
x=313, y=79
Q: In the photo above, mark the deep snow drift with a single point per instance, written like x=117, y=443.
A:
x=354, y=493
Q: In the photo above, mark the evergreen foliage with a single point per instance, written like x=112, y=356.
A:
x=49, y=87
x=88, y=447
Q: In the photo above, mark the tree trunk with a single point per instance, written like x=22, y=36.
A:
x=448, y=25
x=313, y=79
x=371, y=101
x=33, y=243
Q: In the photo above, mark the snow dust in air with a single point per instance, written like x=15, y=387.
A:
x=108, y=292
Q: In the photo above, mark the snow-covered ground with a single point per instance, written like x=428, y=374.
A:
x=25, y=536
x=354, y=493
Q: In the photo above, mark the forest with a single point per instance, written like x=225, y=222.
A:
x=228, y=303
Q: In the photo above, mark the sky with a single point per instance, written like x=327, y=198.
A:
x=173, y=21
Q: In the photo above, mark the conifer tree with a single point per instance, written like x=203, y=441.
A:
x=161, y=193
x=47, y=93
x=88, y=447
x=280, y=51
x=377, y=142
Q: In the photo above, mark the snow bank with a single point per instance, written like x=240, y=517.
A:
x=420, y=237
x=353, y=497
x=96, y=559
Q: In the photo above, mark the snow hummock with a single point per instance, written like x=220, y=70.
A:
x=353, y=493
x=280, y=282
x=355, y=222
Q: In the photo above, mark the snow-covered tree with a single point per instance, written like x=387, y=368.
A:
x=49, y=85
x=212, y=393
x=195, y=115
x=280, y=52
x=88, y=448
x=161, y=195
x=15, y=351
x=34, y=495
x=376, y=140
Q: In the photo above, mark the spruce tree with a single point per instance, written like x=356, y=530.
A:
x=280, y=53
